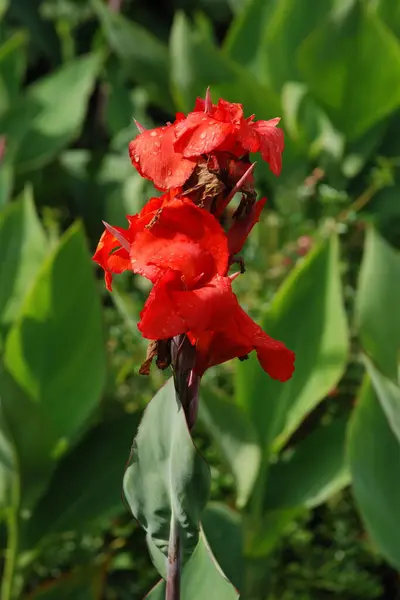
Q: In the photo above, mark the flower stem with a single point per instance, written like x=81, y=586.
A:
x=359, y=203
x=173, y=589
x=183, y=356
x=12, y=544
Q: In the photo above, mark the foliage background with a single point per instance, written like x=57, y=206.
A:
x=73, y=74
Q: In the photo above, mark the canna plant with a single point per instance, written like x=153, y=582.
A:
x=191, y=318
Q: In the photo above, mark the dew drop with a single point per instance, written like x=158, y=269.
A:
x=203, y=135
x=157, y=144
x=153, y=133
x=136, y=158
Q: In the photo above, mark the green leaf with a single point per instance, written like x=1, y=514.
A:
x=236, y=436
x=374, y=453
x=42, y=33
x=23, y=247
x=197, y=64
x=223, y=529
x=52, y=113
x=379, y=288
x=3, y=6
x=265, y=532
x=357, y=153
x=167, y=479
x=202, y=578
x=388, y=394
x=344, y=49
x=389, y=12
x=54, y=362
x=12, y=68
x=307, y=314
x=244, y=37
x=288, y=25
x=86, y=487
x=312, y=472
x=145, y=55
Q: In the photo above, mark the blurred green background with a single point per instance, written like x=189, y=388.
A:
x=73, y=74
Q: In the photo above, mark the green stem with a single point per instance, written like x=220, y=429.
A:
x=7, y=583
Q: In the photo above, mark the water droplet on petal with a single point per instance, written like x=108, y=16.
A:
x=136, y=158
x=153, y=133
x=203, y=135
x=157, y=144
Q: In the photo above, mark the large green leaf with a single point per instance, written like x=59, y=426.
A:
x=289, y=24
x=144, y=54
x=388, y=394
x=247, y=30
x=54, y=362
x=379, y=289
x=223, y=529
x=52, y=112
x=264, y=532
x=312, y=472
x=344, y=48
x=390, y=13
x=23, y=246
x=307, y=314
x=202, y=578
x=167, y=481
x=86, y=487
x=197, y=64
x=374, y=453
x=235, y=434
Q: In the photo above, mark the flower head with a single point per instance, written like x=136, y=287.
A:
x=168, y=155
x=183, y=250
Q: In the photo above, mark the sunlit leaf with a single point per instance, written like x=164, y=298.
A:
x=202, y=578
x=378, y=289
x=308, y=315
x=344, y=48
x=54, y=362
x=167, y=480
x=374, y=454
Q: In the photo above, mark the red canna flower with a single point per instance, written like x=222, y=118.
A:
x=154, y=156
x=112, y=252
x=168, y=155
x=183, y=250
x=225, y=129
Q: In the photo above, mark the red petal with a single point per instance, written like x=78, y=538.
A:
x=271, y=143
x=159, y=320
x=184, y=238
x=248, y=137
x=152, y=154
x=237, y=336
x=112, y=262
x=207, y=307
x=242, y=226
x=229, y=112
x=200, y=134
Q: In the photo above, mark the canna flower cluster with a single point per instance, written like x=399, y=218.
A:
x=177, y=240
